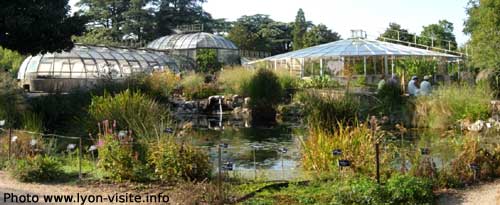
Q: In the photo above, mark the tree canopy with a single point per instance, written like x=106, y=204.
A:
x=38, y=26
x=395, y=31
x=299, y=30
x=483, y=24
x=440, y=35
x=320, y=34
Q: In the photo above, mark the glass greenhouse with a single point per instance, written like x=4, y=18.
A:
x=187, y=45
x=367, y=57
x=84, y=66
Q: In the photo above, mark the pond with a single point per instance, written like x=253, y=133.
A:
x=256, y=151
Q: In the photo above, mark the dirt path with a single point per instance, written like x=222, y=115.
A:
x=9, y=185
x=487, y=194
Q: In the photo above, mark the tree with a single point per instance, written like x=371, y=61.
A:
x=299, y=30
x=246, y=32
x=207, y=60
x=278, y=37
x=439, y=35
x=10, y=61
x=172, y=13
x=320, y=34
x=483, y=24
x=394, y=31
x=38, y=26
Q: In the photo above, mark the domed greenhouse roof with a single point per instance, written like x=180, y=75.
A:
x=191, y=41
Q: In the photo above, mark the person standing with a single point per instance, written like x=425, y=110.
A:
x=412, y=86
x=425, y=86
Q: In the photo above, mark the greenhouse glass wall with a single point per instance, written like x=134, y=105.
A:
x=85, y=66
x=188, y=44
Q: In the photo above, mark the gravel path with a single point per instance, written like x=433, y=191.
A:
x=487, y=194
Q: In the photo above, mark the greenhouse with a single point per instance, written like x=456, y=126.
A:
x=187, y=45
x=85, y=66
x=366, y=57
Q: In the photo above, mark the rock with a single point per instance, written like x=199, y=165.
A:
x=477, y=126
x=246, y=102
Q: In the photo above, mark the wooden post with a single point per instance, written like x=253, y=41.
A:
x=80, y=160
x=321, y=67
x=377, y=156
x=219, y=177
x=10, y=143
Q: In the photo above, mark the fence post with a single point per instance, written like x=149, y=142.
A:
x=80, y=160
x=377, y=155
x=10, y=143
x=219, y=177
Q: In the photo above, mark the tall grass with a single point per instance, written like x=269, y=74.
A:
x=451, y=103
x=235, y=80
x=326, y=110
x=357, y=145
x=132, y=110
x=162, y=83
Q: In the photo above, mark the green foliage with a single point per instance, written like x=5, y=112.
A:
x=207, y=60
x=10, y=61
x=120, y=160
x=172, y=161
x=162, y=83
x=319, y=34
x=482, y=25
x=265, y=90
x=448, y=104
x=405, y=189
x=42, y=26
x=11, y=100
x=325, y=111
x=390, y=100
x=132, y=110
x=194, y=87
x=439, y=35
x=357, y=190
x=235, y=80
x=418, y=67
x=37, y=169
x=32, y=122
x=299, y=30
x=392, y=33
x=319, y=82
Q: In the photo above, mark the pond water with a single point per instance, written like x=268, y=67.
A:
x=255, y=151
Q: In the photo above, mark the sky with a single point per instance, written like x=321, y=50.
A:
x=341, y=16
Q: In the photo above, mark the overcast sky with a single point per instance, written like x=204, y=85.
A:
x=341, y=16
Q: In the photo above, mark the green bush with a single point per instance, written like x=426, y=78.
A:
x=11, y=100
x=207, y=60
x=404, y=189
x=172, y=161
x=37, y=169
x=162, y=83
x=390, y=100
x=120, y=160
x=132, y=110
x=360, y=190
x=194, y=87
x=265, y=90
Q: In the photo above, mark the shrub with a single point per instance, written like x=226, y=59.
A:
x=133, y=111
x=404, y=189
x=207, y=60
x=319, y=82
x=265, y=93
x=37, y=169
x=172, y=161
x=120, y=160
x=235, y=80
x=449, y=104
x=390, y=101
x=360, y=190
x=11, y=100
x=287, y=80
